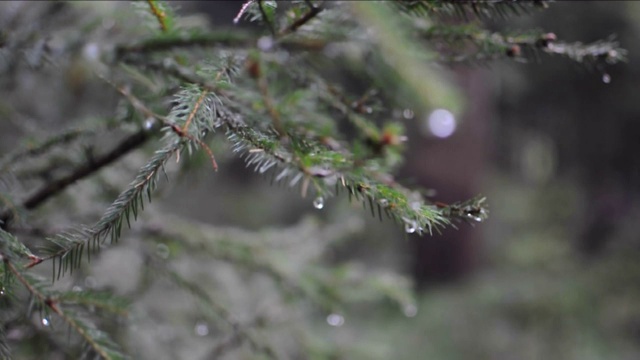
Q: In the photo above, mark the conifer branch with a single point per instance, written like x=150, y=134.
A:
x=465, y=8
x=250, y=258
x=490, y=45
x=68, y=248
x=235, y=38
x=265, y=17
x=52, y=188
x=42, y=148
x=308, y=16
x=104, y=301
x=202, y=296
x=5, y=350
x=256, y=71
x=98, y=340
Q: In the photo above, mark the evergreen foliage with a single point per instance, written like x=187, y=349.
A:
x=272, y=96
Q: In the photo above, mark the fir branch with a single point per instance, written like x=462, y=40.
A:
x=42, y=148
x=104, y=301
x=396, y=48
x=64, y=138
x=98, y=340
x=12, y=210
x=68, y=248
x=372, y=188
x=5, y=350
x=265, y=17
x=256, y=71
x=308, y=16
x=490, y=45
x=248, y=256
x=202, y=296
x=52, y=188
x=235, y=38
x=234, y=340
x=184, y=74
x=465, y=8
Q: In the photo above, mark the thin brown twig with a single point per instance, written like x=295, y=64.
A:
x=312, y=13
x=257, y=73
x=193, y=112
x=178, y=131
x=159, y=14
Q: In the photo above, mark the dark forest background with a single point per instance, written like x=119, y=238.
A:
x=553, y=145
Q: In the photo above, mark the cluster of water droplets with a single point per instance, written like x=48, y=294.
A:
x=477, y=216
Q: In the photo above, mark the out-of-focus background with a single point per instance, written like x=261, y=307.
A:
x=554, y=146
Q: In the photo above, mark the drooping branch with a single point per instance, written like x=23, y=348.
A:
x=308, y=16
x=98, y=340
x=488, y=45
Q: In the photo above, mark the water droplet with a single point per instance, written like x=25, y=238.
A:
x=148, y=124
x=201, y=328
x=410, y=227
x=76, y=288
x=45, y=321
x=318, y=203
x=384, y=202
x=606, y=78
x=2, y=292
x=162, y=250
x=410, y=310
x=265, y=43
x=368, y=110
x=91, y=51
x=335, y=320
x=408, y=114
x=441, y=123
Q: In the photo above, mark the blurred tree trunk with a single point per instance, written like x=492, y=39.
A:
x=455, y=166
